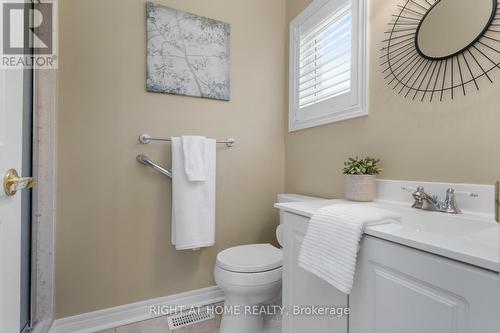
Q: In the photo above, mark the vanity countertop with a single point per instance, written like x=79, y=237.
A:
x=467, y=238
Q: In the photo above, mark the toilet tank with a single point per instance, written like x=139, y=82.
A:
x=292, y=197
x=289, y=197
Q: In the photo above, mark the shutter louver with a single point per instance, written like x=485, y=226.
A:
x=325, y=59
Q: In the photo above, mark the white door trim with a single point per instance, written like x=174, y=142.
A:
x=134, y=312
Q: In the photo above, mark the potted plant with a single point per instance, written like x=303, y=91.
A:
x=360, y=178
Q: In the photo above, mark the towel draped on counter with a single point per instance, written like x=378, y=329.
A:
x=331, y=244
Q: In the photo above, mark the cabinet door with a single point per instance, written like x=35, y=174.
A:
x=399, y=289
x=303, y=289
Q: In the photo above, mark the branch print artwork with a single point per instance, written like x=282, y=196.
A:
x=187, y=54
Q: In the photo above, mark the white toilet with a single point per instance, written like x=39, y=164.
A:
x=250, y=275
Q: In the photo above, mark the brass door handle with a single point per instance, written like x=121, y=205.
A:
x=13, y=183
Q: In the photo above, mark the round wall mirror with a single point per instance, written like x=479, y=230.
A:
x=438, y=49
x=451, y=26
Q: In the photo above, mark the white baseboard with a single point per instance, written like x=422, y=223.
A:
x=130, y=313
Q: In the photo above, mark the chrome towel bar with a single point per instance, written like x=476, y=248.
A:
x=146, y=138
x=146, y=161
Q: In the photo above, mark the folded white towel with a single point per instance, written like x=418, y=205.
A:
x=195, y=157
x=193, y=202
x=331, y=243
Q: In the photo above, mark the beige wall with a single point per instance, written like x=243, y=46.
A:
x=113, y=228
x=455, y=141
x=113, y=231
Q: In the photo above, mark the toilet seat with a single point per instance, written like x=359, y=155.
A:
x=225, y=277
x=252, y=258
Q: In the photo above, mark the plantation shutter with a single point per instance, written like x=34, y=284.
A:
x=328, y=71
x=325, y=59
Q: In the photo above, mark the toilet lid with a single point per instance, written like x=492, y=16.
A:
x=250, y=258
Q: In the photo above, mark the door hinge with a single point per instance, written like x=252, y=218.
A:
x=28, y=328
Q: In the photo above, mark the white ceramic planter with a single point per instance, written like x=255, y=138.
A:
x=360, y=187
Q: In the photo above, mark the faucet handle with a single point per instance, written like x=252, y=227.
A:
x=418, y=195
x=450, y=203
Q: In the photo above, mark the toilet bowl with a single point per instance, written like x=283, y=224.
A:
x=249, y=275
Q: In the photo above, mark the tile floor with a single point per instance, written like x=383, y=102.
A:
x=159, y=325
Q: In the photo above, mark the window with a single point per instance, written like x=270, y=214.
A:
x=327, y=63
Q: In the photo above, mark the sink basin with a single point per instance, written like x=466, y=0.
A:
x=462, y=237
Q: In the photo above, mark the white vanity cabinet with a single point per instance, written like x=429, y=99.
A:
x=303, y=289
x=399, y=289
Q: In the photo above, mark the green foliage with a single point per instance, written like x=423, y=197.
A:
x=362, y=166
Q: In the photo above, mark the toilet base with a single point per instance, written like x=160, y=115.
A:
x=250, y=324
x=243, y=292
x=241, y=324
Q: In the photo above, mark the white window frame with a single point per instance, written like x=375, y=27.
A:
x=340, y=107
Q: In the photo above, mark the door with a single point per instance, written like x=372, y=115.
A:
x=12, y=104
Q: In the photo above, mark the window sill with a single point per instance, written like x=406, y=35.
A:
x=294, y=126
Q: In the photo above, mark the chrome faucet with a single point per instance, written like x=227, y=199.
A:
x=431, y=202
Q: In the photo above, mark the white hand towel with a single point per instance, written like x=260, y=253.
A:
x=330, y=246
x=193, y=202
x=195, y=157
